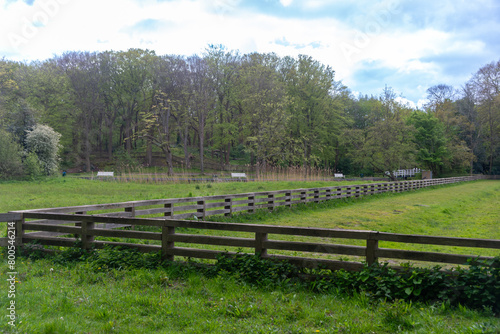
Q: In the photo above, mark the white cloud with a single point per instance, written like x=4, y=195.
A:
x=188, y=26
x=286, y=3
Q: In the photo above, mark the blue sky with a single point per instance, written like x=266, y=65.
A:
x=407, y=45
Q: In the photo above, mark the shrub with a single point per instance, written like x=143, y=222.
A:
x=44, y=142
x=10, y=156
x=32, y=166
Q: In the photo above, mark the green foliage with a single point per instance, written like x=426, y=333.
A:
x=430, y=140
x=10, y=156
x=44, y=142
x=477, y=287
x=117, y=257
x=32, y=166
x=253, y=269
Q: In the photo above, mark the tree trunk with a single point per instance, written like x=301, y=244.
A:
x=110, y=142
x=185, y=138
x=149, y=153
x=201, y=134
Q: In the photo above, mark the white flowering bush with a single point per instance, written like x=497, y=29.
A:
x=44, y=142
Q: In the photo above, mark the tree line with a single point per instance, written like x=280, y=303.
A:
x=259, y=107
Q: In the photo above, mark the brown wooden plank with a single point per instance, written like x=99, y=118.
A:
x=315, y=247
x=126, y=234
x=217, y=212
x=10, y=217
x=51, y=241
x=215, y=205
x=150, y=211
x=243, y=201
x=139, y=247
x=241, y=208
x=434, y=240
x=212, y=240
x=271, y=229
x=52, y=228
x=187, y=207
x=95, y=218
x=188, y=215
x=425, y=256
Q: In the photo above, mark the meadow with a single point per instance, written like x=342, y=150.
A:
x=79, y=296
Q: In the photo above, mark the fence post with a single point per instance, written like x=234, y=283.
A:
x=270, y=202
x=348, y=192
x=328, y=194
x=302, y=196
x=169, y=212
x=202, y=209
x=371, y=248
x=167, y=245
x=87, y=239
x=228, y=206
x=260, y=238
x=316, y=195
x=82, y=213
x=19, y=231
x=130, y=210
x=288, y=199
x=251, y=205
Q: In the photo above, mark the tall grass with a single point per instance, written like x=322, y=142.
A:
x=259, y=174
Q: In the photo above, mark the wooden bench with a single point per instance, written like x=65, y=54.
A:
x=239, y=175
x=338, y=175
x=105, y=174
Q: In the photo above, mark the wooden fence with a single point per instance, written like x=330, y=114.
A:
x=169, y=235
x=86, y=228
x=202, y=207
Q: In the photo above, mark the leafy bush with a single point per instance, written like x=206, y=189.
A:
x=44, y=142
x=476, y=287
x=117, y=257
x=32, y=166
x=255, y=270
x=10, y=156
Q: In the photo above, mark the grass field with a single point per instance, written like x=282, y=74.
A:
x=79, y=298
x=73, y=191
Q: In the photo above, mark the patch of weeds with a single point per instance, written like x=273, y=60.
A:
x=395, y=316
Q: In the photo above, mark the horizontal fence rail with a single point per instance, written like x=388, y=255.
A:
x=171, y=232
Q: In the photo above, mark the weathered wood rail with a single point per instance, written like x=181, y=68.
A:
x=168, y=238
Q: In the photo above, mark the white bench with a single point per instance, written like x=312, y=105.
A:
x=105, y=174
x=243, y=175
x=338, y=175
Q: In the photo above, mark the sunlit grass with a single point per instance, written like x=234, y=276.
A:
x=77, y=299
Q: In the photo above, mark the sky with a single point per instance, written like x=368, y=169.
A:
x=406, y=45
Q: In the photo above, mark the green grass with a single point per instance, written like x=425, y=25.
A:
x=77, y=298
x=57, y=192
x=465, y=210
